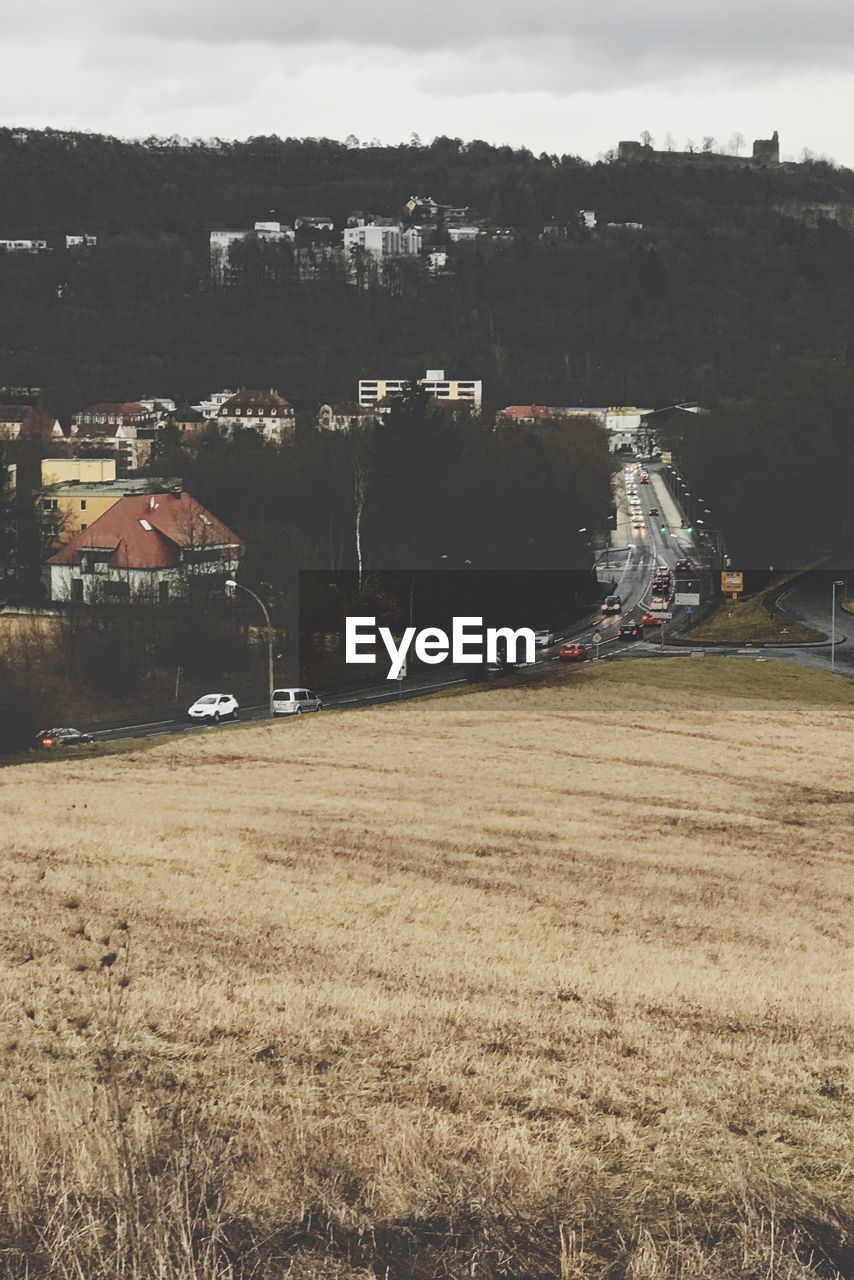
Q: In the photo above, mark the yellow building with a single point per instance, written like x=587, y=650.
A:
x=71, y=470
x=87, y=487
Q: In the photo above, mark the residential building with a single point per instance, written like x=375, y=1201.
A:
x=221, y=242
x=344, y=417
x=75, y=504
x=96, y=419
x=263, y=411
x=454, y=390
x=159, y=406
x=437, y=261
x=77, y=470
x=23, y=246
x=587, y=218
x=424, y=207
x=81, y=242
x=314, y=222
x=147, y=549
x=126, y=429
x=14, y=418
x=462, y=234
x=210, y=408
x=382, y=240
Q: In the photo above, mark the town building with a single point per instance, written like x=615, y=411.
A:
x=263, y=411
x=461, y=234
x=221, y=242
x=127, y=429
x=382, y=240
x=146, y=548
x=623, y=423
x=14, y=419
x=73, y=504
x=424, y=208
x=457, y=391
x=314, y=222
x=23, y=246
x=344, y=417
x=210, y=408
x=81, y=242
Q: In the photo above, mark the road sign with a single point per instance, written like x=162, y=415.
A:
x=731, y=581
x=687, y=597
x=597, y=638
x=662, y=613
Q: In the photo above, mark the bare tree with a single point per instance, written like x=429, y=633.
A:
x=669, y=141
x=358, y=490
x=646, y=138
x=708, y=143
x=736, y=143
x=690, y=146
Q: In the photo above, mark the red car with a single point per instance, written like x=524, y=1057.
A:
x=573, y=653
x=650, y=620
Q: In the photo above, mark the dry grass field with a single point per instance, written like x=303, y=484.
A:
x=548, y=981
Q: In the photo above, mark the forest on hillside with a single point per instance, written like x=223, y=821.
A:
x=736, y=291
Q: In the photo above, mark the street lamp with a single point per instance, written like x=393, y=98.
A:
x=236, y=586
x=838, y=583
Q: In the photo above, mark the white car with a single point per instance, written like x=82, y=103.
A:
x=294, y=702
x=543, y=639
x=215, y=707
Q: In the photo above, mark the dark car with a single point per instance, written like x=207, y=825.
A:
x=682, y=565
x=654, y=511
x=630, y=631
x=50, y=738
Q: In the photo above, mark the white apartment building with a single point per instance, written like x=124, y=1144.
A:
x=453, y=390
x=81, y=242
x=23, y=246
x=456, y=234
x=210, y=408
x=221, y=242
x=383, y=241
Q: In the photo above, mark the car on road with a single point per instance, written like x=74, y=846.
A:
x=542, y=639
x=573, y=653
x=654, y=511
x=644, y=478
x=613, y=604
x=52, y=738
x=630, y=631
x=683, y=565
x=294, y=702
x=650, y=620
x=214, y=707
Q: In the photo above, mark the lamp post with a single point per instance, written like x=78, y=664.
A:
x=838, y=583
x=236, y=586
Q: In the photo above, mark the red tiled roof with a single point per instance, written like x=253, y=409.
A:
x=175, y=523
x=526, y=411
x=255, y=400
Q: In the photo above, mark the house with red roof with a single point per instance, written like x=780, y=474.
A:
x=146, y=548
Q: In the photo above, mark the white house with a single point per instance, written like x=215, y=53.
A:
x=147, y=548
x=23, y=246
x=263, y=411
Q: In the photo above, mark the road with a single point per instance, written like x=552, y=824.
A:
x=641, y=547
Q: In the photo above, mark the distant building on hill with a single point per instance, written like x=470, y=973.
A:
x=766, y=151
x=221, y=269
x=382, y=240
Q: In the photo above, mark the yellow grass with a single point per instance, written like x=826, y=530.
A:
x=545, y=981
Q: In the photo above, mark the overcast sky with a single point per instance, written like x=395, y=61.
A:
x=553, y=75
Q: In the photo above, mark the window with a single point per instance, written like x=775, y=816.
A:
x=83, y=526
x=163, y=592
x=83, y=505
x=77, y=589
x=117, y=590
x=50, y=504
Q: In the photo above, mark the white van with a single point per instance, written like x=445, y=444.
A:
x=293, y=702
